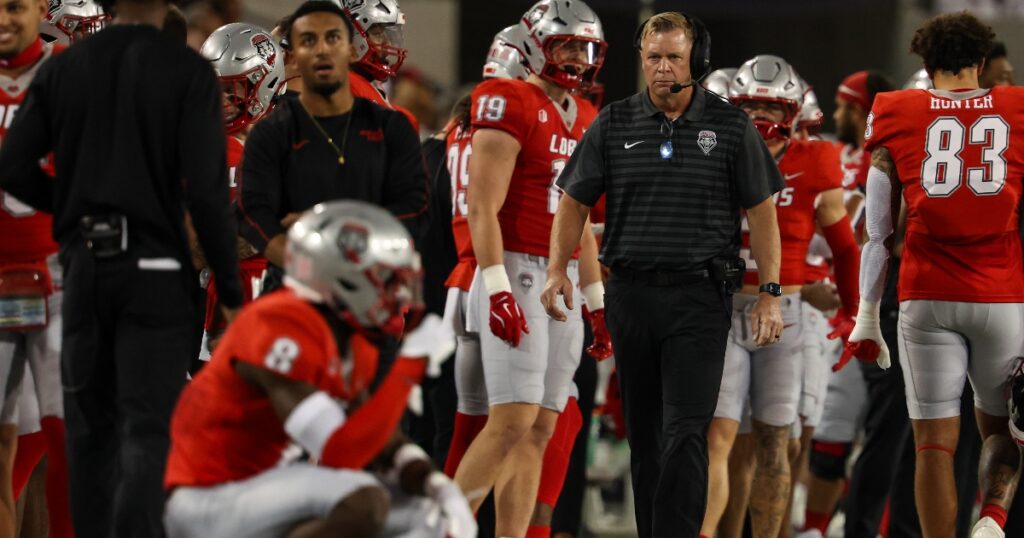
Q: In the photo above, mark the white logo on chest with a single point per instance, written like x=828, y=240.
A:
x=561, y=145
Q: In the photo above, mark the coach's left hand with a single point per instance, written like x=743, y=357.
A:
x=766, y=320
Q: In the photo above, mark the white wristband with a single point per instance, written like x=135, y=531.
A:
x=593, y=295
x=405, y=455
x=868, y=313
x=496, y=279
x=314, y=421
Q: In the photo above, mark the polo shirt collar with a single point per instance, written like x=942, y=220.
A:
x=694, y=113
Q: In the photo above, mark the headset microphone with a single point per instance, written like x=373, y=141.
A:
x=677, y=87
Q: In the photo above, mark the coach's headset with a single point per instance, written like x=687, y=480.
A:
x=700, y=55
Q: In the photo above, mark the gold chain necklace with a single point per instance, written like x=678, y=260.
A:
x=329, y=138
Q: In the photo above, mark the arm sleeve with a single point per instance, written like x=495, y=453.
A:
x=755, y=173
x=259, y=184
x=26, y=142
x=879, y=222
x=846, y=256
x=203, y=161
x=406, y=192
x=368, y=430
x=584, y=175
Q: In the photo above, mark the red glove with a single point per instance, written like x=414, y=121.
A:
x=865, y=350
x=601, y=347
x=842, y=325
x=507, y=319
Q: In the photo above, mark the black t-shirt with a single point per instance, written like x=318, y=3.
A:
x=438, y=244
x=135, y=123
x=289, y=167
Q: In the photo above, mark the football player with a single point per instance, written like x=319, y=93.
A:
x=30, y=290
x=296, y=367
x=68, y=21
x=250, y=66
x=523, y=133
x=504, y=61
x=952, y=154
x=771, y=93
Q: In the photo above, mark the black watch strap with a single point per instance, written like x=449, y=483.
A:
x=772, y=288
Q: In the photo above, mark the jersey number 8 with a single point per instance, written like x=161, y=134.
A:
x=942, y=170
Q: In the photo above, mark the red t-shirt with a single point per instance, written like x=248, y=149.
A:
x=547, y=135
x=960, y=161
x=810, y=167
x=27, y=234
x=225, y=429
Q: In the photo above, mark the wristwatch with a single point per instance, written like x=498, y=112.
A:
x=772, y=288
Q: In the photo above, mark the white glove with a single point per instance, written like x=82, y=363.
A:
x=433, y=340
x=867, y=330
x=461, y=523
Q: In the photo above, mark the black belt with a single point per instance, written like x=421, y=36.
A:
x=660, y=278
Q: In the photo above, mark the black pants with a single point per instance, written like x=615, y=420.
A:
x=670, y=347
x=128, y=339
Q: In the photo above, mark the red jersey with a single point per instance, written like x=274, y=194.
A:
x=547, y=134
x=810, y=167
x=225, y=429
x=27, y=234
x=365, y=89
x=855, y=163
x=235, y=151
x=960, y=162
x=459, y=150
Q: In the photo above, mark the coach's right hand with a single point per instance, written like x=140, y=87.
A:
x=507, y=319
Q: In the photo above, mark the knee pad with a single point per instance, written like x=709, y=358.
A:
x=828, y=460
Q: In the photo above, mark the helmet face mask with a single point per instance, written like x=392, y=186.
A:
x=250, y=66
x=571, y=61
x=71, y=20
x=769, y=79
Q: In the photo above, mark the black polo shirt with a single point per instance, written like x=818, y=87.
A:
x=674, y=189
x=289, y=167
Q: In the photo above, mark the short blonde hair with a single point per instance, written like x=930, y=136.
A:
x=666, y=22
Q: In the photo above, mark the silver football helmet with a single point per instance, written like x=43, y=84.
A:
x=250, y=66
x=378, y=36
x=919, y=81
x=358, y=260
x=769, y=78
x=504, y=59
x=70, y=20
x=811, y=117
x=555, y=31
x=717, y=81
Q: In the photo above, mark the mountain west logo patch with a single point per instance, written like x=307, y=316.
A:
x=265, y=48
x=707, y=140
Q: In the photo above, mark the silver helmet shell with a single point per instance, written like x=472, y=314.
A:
x=504, y=59
x=553, y=25
x=357, y=259
x=68, y=21
x=811, y=117
x=767, y=77
x=919, y=81
x=717, y=81
x=378, y=39
x=250, y=65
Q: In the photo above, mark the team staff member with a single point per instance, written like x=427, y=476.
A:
x=149, y=146
x=677, y=167
x=326, y=144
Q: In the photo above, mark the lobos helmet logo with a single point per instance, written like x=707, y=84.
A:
x=54, y=5
x=265, y=48
x=353, y=5
x=353, y=241
x=707, y=140
x=533, y=17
